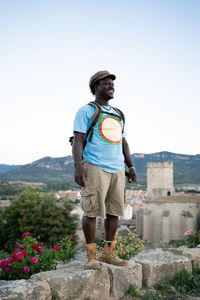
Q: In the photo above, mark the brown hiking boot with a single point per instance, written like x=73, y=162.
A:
x=109, y=256
x=92, y=262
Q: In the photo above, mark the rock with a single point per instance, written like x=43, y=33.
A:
x=122, y=277
x=158, y=264
x=24, y=290
x=77, y=283
x=192, y=253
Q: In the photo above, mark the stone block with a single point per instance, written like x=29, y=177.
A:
x=77, y=283
x=24, y=290
x=192, y=253
x=122, y=277
x=158, y=264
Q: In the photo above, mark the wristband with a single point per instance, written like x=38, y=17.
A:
x=132, y=168
x=78, y=163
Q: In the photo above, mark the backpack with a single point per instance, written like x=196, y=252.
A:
x=95, y=118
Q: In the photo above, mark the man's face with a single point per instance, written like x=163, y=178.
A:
x=105, y=89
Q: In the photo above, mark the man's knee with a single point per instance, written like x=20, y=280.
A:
x=108, y=216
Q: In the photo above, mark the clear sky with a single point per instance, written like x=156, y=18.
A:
x=50, y=49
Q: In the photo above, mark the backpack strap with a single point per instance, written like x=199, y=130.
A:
x=95, y=118
x=120, y=113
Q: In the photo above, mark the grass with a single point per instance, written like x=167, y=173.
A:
x=182, y=285
x=132, y=291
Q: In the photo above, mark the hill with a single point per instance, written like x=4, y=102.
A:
x=5, y=168
x=61, y=170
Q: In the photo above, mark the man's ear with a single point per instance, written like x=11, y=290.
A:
x=95, y=87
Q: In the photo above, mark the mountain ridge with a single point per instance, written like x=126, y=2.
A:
x=61, y=169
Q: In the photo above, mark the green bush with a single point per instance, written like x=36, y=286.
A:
x=36, y=213
x=67, y=248
x=128, y=246
x=192, y=239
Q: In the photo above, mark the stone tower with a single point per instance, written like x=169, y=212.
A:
x=160, y=179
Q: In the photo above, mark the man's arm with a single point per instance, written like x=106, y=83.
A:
x=77, y=151
x=129, y=162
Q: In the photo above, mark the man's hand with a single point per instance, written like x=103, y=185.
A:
x=80, y=175
x=131, y=175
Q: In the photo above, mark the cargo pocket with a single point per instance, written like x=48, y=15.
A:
x=89, y=200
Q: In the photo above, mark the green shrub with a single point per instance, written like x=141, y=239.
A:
x=67, y=248
x=182, y=284
x=128, y=246
x=150, y=295
x=192, y=239
x=35, y=213
x=3, y=254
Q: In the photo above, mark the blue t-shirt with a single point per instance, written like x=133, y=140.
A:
x=105, y=148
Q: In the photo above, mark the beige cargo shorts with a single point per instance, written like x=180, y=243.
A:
x=104, y=192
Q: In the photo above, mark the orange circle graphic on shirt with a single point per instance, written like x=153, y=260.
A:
x=110, y=129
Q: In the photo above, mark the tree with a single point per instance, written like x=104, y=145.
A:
x=43, y=216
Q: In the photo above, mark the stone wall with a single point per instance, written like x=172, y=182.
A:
x=165, y=219
x=72, y=281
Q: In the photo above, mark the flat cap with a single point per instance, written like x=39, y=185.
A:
x=100, y=75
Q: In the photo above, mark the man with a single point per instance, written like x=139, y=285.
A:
x=99, y=168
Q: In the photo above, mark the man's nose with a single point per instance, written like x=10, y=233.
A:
x=111, y=84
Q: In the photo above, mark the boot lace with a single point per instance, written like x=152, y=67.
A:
x=113, y=254
x=91, y=255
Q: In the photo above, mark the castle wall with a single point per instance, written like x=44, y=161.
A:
x=160, y=179
x=165, y=219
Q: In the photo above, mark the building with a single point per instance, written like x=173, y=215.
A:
x=167, y=215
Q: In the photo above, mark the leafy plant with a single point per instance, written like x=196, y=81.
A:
x=182, y=284
x=132, y=291
x=150, y=295
x=192, y=238
x=67, y=248
x=177, y=244
x=3, y=254
x=128, y=246
x=32, y=257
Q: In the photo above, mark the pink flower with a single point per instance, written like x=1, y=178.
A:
x=20, y=255
x=39, y=249
x=34, y=260
x=9, y=260
x=72, y=236
x=25, y=234
x=26, y=269
x=116, y=235
x=187, y=232
x=56, y=247
x=3, y=263
x=8, y=269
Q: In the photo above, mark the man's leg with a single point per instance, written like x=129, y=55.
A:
x=111, y=224
x=108, y=254
x=114, y=208
x=89, y=228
